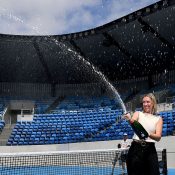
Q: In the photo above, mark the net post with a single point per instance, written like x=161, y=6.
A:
x=114, y=162
x=164, y=159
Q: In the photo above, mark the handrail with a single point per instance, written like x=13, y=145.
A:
x=5, y=110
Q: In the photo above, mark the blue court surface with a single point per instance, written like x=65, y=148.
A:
x=56, y=170
x=171, y=171
x=67, y=170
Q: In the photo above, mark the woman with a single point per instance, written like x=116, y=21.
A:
x=142, y=156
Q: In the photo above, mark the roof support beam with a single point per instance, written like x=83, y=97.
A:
x=147, y=28
x=41, y=59
x=115, y=43
x=77, y=49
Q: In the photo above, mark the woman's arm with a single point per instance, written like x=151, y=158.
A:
x=158, y=134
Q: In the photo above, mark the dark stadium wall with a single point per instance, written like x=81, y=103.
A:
x=25, y=90
x=134, y=85
x=29, y=90
x=45, y=90
x=92, y=89
x=37, y=90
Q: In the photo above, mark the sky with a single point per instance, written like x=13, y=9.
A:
x=56, y=17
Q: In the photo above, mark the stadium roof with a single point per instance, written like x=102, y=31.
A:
x=139, y=44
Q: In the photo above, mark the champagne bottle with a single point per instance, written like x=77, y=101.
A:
x=139, y=130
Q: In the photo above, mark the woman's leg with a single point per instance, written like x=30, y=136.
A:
x=152, y=161
x=135, y=164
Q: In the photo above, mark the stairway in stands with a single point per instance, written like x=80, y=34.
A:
x=5, y=134
x=54, y=104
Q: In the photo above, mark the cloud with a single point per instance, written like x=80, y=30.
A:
x=41, y=17
x=118, y=8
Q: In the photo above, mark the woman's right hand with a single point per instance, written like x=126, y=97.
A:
x=127, y=116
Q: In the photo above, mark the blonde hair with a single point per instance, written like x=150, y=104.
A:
x=153, y=99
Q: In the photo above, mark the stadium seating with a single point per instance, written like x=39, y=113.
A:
x=77, y=119
x=80, y=102
x=65, y=128
x=168, y=122
x=78, y=126
x=2, y=124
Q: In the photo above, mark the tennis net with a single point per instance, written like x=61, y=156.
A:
x=64, y=162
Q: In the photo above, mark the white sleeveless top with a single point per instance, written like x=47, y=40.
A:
x=149, y=122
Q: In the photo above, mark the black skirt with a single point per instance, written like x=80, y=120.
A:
x=142, y=159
